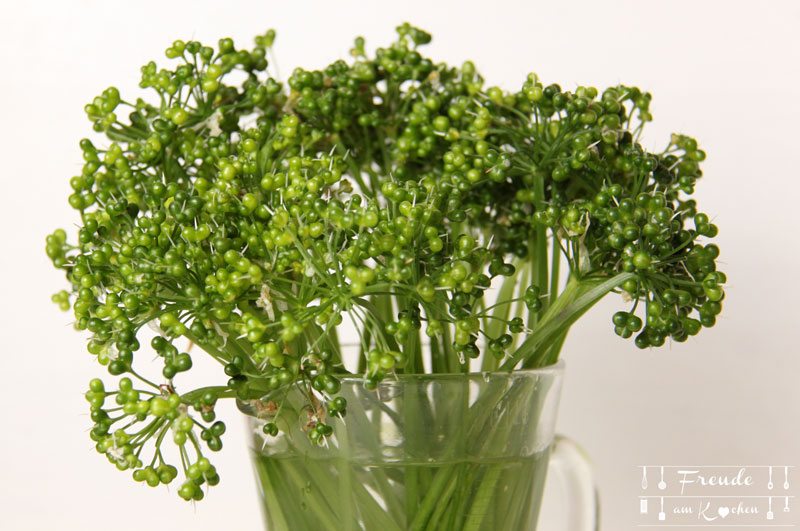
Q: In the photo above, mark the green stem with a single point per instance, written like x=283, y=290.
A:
x=444, y=502
x=466, y=477
x=412, y=492
x=321, y=508
x=540, y=258
x=431, y=498
x=554, y=350
x=554, y=269
x=269, y=488
x=346, y=483
x=574, y=301
x=480, y=504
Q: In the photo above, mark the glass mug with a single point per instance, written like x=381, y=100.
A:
x=440, y=452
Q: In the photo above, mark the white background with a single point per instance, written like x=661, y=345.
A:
x=726, y=72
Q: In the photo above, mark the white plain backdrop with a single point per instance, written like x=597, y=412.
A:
x=725, y=72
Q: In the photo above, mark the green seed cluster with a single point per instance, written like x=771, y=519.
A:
x=122, y=432
x=252, y=218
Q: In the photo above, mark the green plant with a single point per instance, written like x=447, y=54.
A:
x=251, y=218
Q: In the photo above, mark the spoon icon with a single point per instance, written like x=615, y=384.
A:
x=786, y=478
x=769, y=485
x=661, y=484
x=644, y=477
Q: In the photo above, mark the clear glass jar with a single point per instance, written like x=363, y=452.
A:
x=421, y=452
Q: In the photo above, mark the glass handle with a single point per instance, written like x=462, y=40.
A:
x=570, y=498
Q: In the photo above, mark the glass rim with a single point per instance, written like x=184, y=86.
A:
x=556, y=369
